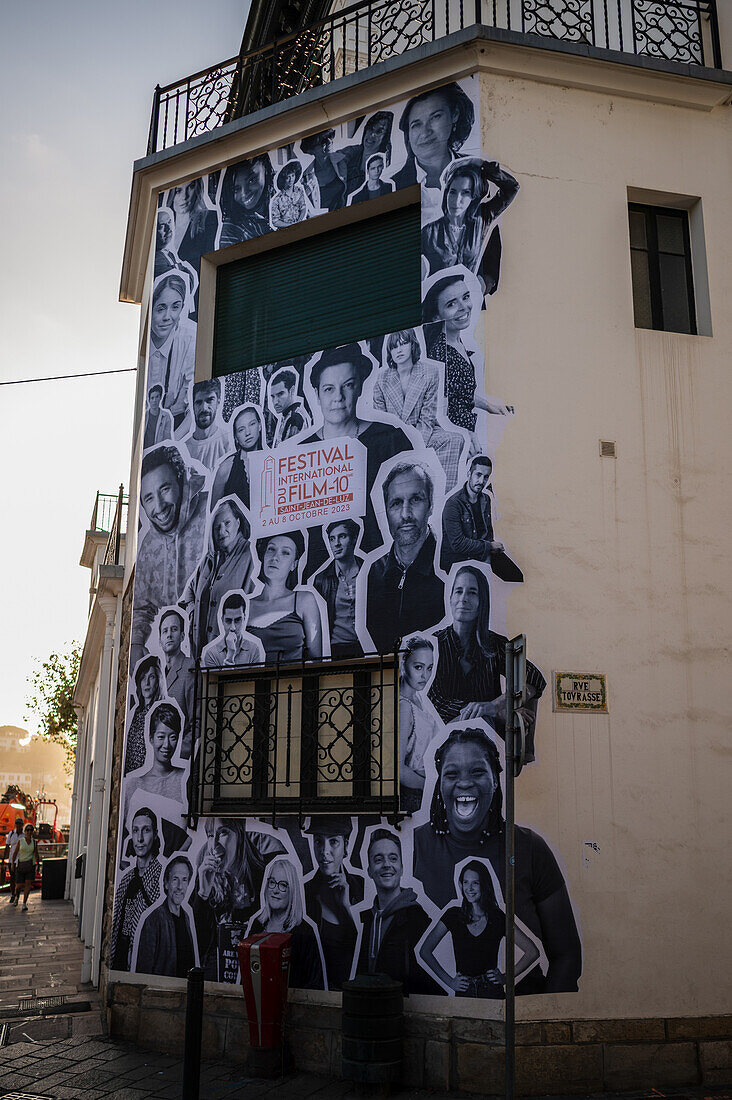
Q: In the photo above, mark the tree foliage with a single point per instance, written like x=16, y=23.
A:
x=49, y=706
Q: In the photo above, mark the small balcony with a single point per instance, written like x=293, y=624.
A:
x=680, y=32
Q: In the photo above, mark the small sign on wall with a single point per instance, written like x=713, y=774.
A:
x=580, y=691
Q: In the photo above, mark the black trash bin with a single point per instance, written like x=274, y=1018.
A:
x=373, y=1026
x=53, y=878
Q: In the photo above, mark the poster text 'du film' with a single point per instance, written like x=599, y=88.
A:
x=307, y=483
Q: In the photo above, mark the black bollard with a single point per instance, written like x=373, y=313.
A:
x=194, y=1025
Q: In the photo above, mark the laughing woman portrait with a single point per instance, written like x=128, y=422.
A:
x=466, y=819
x=246, y=190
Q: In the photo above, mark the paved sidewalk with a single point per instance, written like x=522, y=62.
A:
x=84, y=1069
x=67, y=1056
x=41, y=956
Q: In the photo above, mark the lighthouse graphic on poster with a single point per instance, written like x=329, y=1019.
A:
x=266, y=509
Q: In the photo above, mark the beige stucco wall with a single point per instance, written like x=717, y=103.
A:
x=626, y=561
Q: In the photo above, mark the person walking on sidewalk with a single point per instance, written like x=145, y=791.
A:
x=25, y=854
x=10, y=841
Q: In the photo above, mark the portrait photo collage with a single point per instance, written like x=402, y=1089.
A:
x=411, y=561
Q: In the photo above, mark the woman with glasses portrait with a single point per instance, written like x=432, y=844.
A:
x=283, y=910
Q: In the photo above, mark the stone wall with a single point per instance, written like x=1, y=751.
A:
x=442, y=1053
x=120, y=705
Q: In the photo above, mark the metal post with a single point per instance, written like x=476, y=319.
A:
x=194, y=1025
x=515, y=690
x=152, y=141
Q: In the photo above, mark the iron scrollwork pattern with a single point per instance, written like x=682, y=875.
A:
x=399, y=26
x=566, y=20
x=208, y=100
x=304, y=742
x=668, y=30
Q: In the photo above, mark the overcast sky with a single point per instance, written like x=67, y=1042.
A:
x=76, y=83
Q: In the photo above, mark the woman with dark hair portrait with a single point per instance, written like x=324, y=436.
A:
x=330, y=894
x=375, y=138
x=149, y=688
x=373, y=187
x=287, y=621
x=283, y=911
x=461, y=235
x=138, y=889
x=435, y=125
x=227, y=564
x=325, y=178
x=166, y=936
x=466, y=819
x=171, y=358
x=195, y=223
x=471, y=661
x=417, y=728
x=229, y=878
x=408, y=387
x=289, y=206
x=245, y=193
x=477, y=927
x=449, y=299
x=232, y=476
x=163, y=778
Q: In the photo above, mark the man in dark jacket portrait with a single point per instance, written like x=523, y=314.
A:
x=404, y=593
x=337, y=585
x=395, y=923
x=166, y=936
x=467, y=525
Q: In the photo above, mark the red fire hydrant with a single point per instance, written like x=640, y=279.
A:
x=264, y=964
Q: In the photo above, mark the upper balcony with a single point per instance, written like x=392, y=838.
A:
x=683, y=33
x=104, y=540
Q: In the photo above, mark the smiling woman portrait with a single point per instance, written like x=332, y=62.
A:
x=171, y=358
x=283, y=910
x=163, y=778
x=477, y=927
x=466, y=819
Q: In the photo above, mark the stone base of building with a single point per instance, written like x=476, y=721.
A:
x=451, y=1053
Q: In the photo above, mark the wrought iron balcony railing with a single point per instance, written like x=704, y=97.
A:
x=684, y=32
x=298, y=739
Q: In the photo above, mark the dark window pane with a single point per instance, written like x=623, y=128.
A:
x=637, y=229
x=641, y=290
x=346, y=284
x=674, y=293
x=670, y=234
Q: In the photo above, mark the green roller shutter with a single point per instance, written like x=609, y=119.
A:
x=350, y=283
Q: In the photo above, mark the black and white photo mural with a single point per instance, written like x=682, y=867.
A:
x=243, y=559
